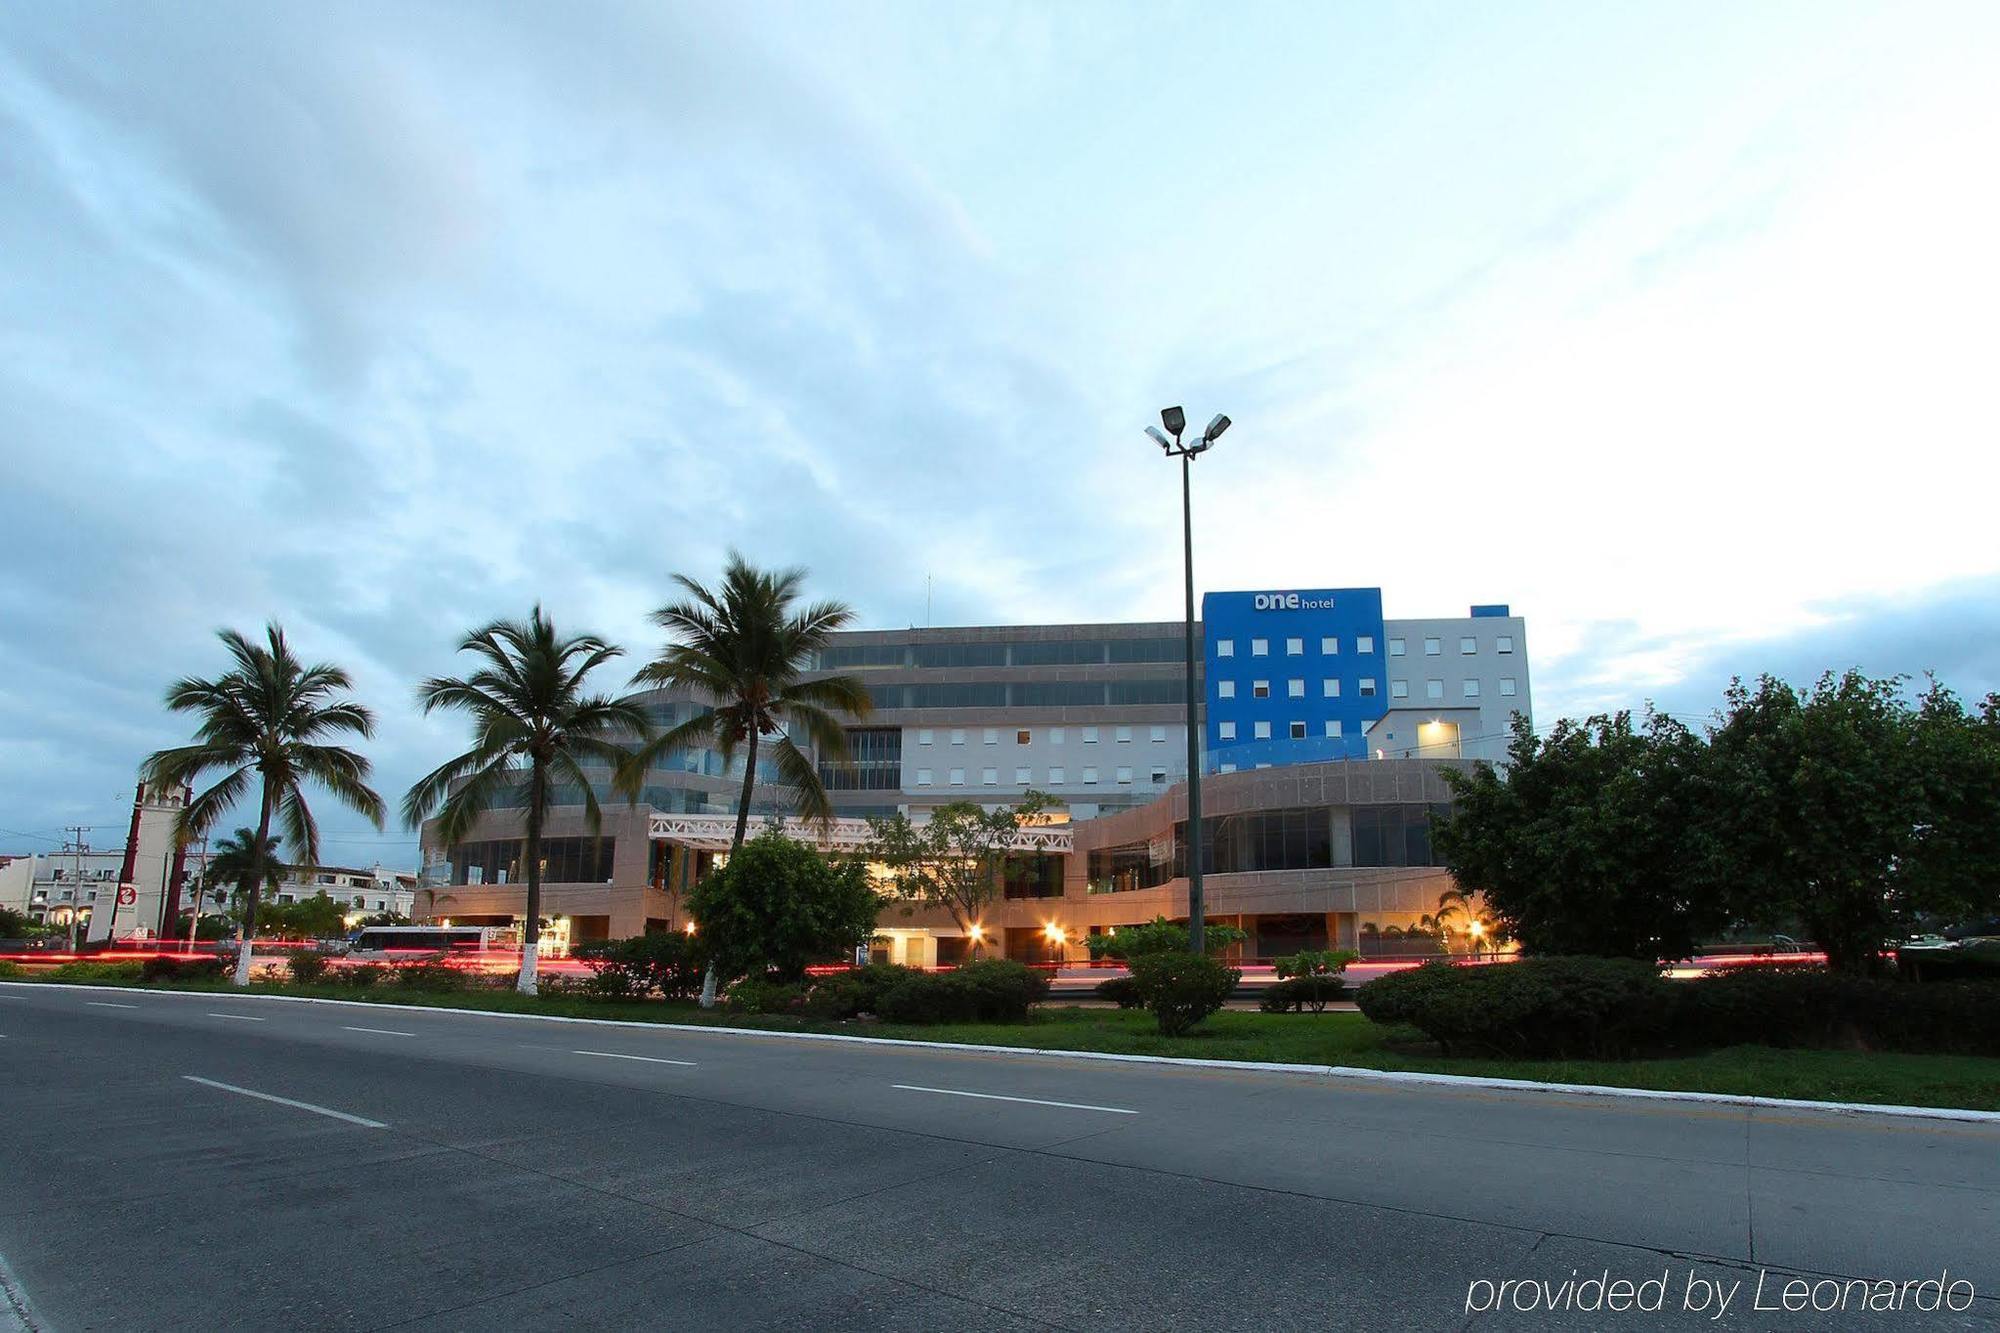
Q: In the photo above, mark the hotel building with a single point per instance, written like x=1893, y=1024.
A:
x=1325, y=728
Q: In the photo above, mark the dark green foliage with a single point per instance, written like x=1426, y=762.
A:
x=663, y=962
x=993, y=990
x=11, y=970
x=1586, y=1008
x=20, y=926
x=361, y=976
x=433, y=978
x=1300, y=994
x=95, y=972
x=1182, y=988
x=959, y=857
x=1121, y=991
x=305, y=966
x=852, y=993
x=1792, y=1005
x=1975, y=960
x=779, y=906
x=761, y=995
x=182, y=969
x=1160, y=936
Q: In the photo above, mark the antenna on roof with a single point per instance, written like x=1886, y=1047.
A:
x=927, y=601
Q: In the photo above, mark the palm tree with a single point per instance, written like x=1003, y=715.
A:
x=744, y=648
x=239, y=859
x=533, y=725
x=268, y=719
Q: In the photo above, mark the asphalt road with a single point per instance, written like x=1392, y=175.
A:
x=172, y=1161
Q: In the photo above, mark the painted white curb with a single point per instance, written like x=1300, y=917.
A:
x=1182, y=1061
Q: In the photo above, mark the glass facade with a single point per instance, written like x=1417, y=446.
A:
x=1028, y=694
x=874, y=762
x=1299, y=838
x=564, y=861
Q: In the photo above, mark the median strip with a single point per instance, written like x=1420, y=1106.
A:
x=1030, y=1101
x=649, y=1059
x=329, y=1112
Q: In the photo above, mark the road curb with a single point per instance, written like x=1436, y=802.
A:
x=16, y=1312
x=1184, y=1062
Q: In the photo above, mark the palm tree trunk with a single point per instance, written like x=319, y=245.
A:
x=708, y=979
x=254, y=889
x=531, y=933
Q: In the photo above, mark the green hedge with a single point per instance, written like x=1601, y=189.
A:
x=664, y=962
x=1609, y=1008
x=992, y=990
x=1182, y=988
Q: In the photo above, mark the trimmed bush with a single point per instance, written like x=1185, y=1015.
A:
x=854, y=992
x=1121, y=991
x=1543, y=1008
x=758, y=995
x=11, y=970
x=95, y=972
x=1182, y=988
x=666, y=962
x=1792, y=1005
x=361, y=975
x=1297, y=995
x=305, y=966
x=433, y=978
x=182, y=969
x=992, y=990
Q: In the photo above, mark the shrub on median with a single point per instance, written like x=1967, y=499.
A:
x=1121, y=991
x=1182, y=988
x=665, y=962
x=119, y=972
x=11, y=970
x=182, y=969
x=1310, y=979
x=1792, y=1005
x=1592, y=1008
x=434, y=978
x=759, y=995
x=992, y=990
x=361, y=975
x=305, y=966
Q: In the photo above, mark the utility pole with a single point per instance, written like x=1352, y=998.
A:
x=76, y=847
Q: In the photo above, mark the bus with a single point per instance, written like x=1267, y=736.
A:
x=385, y=942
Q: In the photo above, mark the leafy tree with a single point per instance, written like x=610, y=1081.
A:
x=239, y=858
x=318, y=917
x=267, y=721
x=19, y=926
x=1846, y=808
x=779, y=905
x=533, y=727
x=745, y=647
x=1597, y=839
x=959, y=858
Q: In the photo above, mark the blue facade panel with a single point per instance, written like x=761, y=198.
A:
x=1491, y=610
x=1316, y=655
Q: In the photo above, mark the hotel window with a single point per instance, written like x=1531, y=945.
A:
x=923, y=735
x=1432, y=647
x=1023, y=736
x=1468, y=646
x=1022, y=777
x=1125, y=776
x=990, y=776
x=1330, y=646
x=1433, y=689
x=1260, y=647
x=958, y=777
x=1368, y=687
x=992, y=736
x=923, y=777
x=1225, y=689
x=958, y=735
x=1295, y=689
x=1260, y=731
x=1395, y=647
x=1506, y=687
x=1090, y=777
x=1260, y=689
x=1333, y=727
x=1329, y=688
x=1504, y=644
x=1123, y=735
x=1055, y=735
x=1225, y=647
x=1090, y=735
x=1365, y=643
x=1159, y=776
x=1225, y=731
x=1472, y=689
x=1298, y=731
x=1295, y=647
x=1159, y=735
x=1399, y=689
x=1056, y=776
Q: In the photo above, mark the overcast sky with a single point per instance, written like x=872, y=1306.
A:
x=1674, y=326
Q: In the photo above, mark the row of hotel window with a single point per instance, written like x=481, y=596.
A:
x=1300, y=838
x=1056, y=735
x=1028, y=694
x=1040, y=652
x=1363, y=645
x=1023, y=777
x=1329, y=688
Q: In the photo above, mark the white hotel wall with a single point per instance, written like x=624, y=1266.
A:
x=1483, y=721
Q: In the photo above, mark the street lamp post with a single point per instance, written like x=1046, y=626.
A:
x=1175, y=420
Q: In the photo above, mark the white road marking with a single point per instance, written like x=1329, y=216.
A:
x=363, y=1121
x=106, y=1004
x=1031, y=1101
x=381, y=1032
x=649, y=1059
x=241, y=1018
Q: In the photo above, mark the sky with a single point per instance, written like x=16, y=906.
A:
x=1670, y=325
